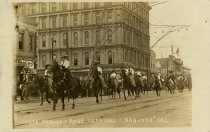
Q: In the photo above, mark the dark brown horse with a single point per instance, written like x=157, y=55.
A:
x=127, y=84
x=97, y=88
x=74, y=86
x=41, y=84
x=113, y=86
x=59, y=85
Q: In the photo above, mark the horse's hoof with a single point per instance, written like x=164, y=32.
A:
x=41, y=104
x=53, y=109
x=63, y=109
x=49, y=102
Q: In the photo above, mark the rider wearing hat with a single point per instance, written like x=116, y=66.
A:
x=65, y=63
x=48, y=74
x=97, y=72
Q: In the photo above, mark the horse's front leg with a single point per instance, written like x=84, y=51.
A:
x=47, y=97
x=73, y=104
x=42, y=94
x=63, y=96
x=55, y=100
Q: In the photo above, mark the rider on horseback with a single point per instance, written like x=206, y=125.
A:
x=48, y=76
x=97, y=73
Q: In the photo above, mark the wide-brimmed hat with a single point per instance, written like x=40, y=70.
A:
x=64, y=56
x=96, y=62
x=47, y=66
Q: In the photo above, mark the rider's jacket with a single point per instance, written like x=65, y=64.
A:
x=113, y=75
x=65, y=63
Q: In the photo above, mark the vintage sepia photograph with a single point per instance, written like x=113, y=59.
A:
x=103, y=64
x=90, y=65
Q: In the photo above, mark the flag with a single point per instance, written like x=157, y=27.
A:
x=177, y=51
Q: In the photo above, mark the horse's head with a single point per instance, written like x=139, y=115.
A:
x=55, y=67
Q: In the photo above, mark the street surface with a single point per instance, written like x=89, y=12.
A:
x=148, y=111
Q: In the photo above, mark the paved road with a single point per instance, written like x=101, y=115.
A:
x=147, y=111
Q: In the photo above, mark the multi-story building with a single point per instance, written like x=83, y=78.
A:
x=26, y=39
x=172, y=65
x=119, y=29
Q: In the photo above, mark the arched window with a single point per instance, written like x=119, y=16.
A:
x=75, y=38
x=86, y=37
x=64, y=39
x=44, y=59
x=98, y=58
x=109, y=16
x=98, y=36
x=75, y=55
x=125, y=56
x=86, y=58
x=109, y=36
x=43, y=41
x=110, y=57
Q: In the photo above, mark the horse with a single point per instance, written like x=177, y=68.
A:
x=74, y=86
x=59, y=85
x=42, y=84
x=128, y=83
x=139, y=85
x=157, y=86
x=145, y=86
x=97, y=88
x=113, y=86
x=171, y=86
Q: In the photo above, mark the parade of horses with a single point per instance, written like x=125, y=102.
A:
x=58, y=82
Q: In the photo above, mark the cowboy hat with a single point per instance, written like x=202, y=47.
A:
x=64, y=56
x=47, y=66
x=96, y=62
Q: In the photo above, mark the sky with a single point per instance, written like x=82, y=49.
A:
x=177, y=12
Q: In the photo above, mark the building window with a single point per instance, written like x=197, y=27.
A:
x=75, y=19
x=110, y=57
x=30, y=42
x=64, y=21
x=97, y=15
x=43, y=41
x=86, y=37
x=43, y=23
x=53, y=21
x=33, y=8
x=75, y=6
x=53, y=6
x=75, y=59
x=43, y=7
x=64, y=6
x=86, y=19
x=86, y=58
x=64, y=39
x=98, y=58
x=98, y=36
x=20, y=45
x=109, y=36
x=97, y=4
x=54, y=36
x=125, y=56
x=44, y=60
x=75, y=38
x=109, y=16
x=86, y=5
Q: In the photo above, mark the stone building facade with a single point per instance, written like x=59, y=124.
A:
x=25, y=46
x=119, y=29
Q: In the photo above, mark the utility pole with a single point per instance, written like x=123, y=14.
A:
x=53, y=44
